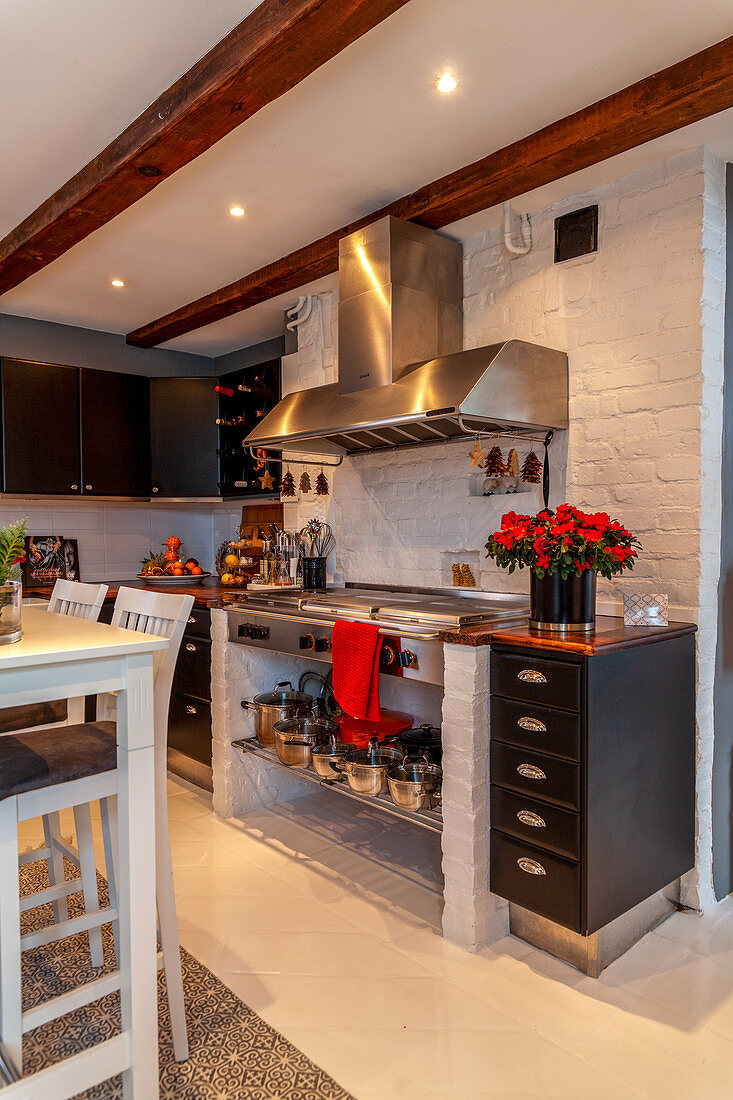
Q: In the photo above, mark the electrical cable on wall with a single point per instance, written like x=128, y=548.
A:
x=525, y=228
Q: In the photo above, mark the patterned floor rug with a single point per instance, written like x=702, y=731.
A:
x=235, y=1055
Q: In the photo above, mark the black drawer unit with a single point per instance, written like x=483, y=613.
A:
x=592, y=775
x=199, y=623
x=533, y=727
x=534, y=679
x=189, y=727
x=193, y=670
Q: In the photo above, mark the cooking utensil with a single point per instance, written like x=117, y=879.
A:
x=422, y=740
x=414, y=785
x=358, y=731
x=366, y=769
x=275, y=706
x=296, y=737
x=327, y=753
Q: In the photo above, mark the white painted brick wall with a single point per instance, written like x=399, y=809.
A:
x=642, y=322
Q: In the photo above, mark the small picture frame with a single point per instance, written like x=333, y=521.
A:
x=45, y=561
x=646, y=609
x=71, y=560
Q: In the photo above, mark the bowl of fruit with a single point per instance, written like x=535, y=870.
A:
x=169, y=568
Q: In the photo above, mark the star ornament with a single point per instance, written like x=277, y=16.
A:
x=267, y=481
x=477, y=456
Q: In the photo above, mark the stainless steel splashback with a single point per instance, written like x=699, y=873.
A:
x=400, y=301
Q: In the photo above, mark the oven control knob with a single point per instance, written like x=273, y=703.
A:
x=323, y=645
x=387, y=656
x=307, y=641
x=408, y=659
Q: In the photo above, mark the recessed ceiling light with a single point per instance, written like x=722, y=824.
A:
x=117, y=282
x=446, y=83
x=236, y=211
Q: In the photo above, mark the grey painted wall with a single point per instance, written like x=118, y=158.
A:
x=723, y=699
x=48, y=342
x=245, y=357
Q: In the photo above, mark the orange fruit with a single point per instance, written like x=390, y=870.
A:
x=173, y=543
x=227, y=579
x=197, y=570
x=191, y=561
x=170, y=555
x=231, y=560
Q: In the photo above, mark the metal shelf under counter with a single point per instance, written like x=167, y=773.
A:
x=426, y=819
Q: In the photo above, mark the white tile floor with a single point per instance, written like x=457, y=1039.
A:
x=295, y=911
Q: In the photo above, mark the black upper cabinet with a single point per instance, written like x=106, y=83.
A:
x=184, y=437
x=40, y=428
x=115, y=434
x=256, y=391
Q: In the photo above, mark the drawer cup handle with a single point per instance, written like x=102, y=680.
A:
x=531, y=676
x=533, y=725
x=530, y=866
x=190, y=648
x=191, y=619
x=528, y=818
x=529, y=771
x=191, y=710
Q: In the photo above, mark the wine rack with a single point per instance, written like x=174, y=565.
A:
x=245, y=398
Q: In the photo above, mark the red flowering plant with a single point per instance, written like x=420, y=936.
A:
x=567, y=541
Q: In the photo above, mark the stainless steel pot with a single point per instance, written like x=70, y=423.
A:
x=328, y=753
x=275, y=706
x=415, y=785
x=295, y=738
x=366, y=769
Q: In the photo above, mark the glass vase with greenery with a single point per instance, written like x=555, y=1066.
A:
x=12, y=556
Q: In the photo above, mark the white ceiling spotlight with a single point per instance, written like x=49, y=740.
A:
x=237, y=211
x=446, y=83
x=117, y=282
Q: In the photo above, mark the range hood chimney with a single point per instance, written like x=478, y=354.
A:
x=402, y=377
x=400, y=302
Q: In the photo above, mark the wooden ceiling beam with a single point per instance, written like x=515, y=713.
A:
x=267, y=54
x=686, y=92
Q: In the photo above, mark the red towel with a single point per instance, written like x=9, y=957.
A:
x=355, y=653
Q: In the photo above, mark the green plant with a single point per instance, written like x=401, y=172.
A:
x=12, y=550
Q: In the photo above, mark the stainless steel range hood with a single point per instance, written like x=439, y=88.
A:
x=403, y=379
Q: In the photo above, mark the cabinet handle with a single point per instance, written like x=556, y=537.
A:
x=155, y=488
x=532, y=676
x=190, y=648
x=528, y=818
x=88, y=488
x=532, y=724
x=191, y=710
x=529, y=771
x=191, y=619
x=75, y=488
x=530, y=866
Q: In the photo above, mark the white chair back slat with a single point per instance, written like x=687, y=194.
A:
x=80, y=601
x=165, y=615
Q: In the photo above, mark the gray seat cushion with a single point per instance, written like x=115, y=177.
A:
x=37, y=714
x=44, y=758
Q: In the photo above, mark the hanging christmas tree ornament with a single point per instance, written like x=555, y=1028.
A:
x=512, y=464
x=532, y=469
x=477, y=456
x=287, y=485
x=322, y=485
x=305, y=482
x=267, y=481
x=495, y=466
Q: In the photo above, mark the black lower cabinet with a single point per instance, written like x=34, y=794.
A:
x=189, y=714
x=592, y=778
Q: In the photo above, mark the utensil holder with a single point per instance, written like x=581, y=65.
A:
x=314, y=572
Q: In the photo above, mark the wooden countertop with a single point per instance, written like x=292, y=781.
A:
x=207, y=594
x=609, y=634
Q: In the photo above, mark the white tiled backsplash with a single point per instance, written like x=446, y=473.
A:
x=113, y=538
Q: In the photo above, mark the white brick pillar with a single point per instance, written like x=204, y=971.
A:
x=472, y=917
x=243, y=782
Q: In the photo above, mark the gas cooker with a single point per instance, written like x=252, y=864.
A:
x=301, y=622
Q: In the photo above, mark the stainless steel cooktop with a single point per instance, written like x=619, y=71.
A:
x=437, y=608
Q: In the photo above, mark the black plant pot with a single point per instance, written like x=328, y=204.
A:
x=562, y=604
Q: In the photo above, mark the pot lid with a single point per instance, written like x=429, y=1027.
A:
x=308, y=726
x=385, y=757
x=282, y=695
x=416, y=772
x=424, y=734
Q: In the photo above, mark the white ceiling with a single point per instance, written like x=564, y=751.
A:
x=364, y=129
